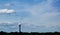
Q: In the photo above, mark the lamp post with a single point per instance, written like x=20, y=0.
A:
x=20, y=25
x=20, y=28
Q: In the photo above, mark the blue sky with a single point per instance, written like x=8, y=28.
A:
x=35, y=15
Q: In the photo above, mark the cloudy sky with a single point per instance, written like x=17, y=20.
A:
x=33, y=15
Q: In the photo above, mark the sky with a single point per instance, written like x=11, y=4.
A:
x=33, y=15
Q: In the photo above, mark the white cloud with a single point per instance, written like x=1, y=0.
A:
x=5, y=22
x=7, y=10
x=7, y=4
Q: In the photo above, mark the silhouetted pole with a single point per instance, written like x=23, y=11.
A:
x=20, y=25
x=20, y=28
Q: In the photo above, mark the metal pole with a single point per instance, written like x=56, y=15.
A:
x=20, y=25
x=20, y=28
